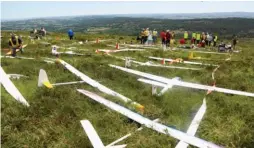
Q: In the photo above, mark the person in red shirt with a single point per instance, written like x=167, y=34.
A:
x=182, y=41
x=168, y=36
x=163, y=37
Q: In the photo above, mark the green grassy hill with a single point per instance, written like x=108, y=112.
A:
x=53, y=118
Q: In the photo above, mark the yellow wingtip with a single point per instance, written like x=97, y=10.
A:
x=47, y=84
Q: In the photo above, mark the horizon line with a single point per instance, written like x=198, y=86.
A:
x=41, y=17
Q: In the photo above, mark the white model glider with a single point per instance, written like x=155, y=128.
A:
x=149, y=123
x=26, y=58
x=116, y=50
x=130, y=60
x=180, y=61
x=15, y=76
x=208, y=52
x=159, y=65
x=55, y=52
x=99, y=86
x=166, y=81
x=71, y=53
x=140, y=46
x=10, y=88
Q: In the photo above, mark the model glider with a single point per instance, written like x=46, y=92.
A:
x=180, y=61
x=159, y=65
x=26, y=58
x=55, y=52
x=165, y=81
x=129, y=60
x=10, y=88
x=149, y=123
x=116, y=50
x=91, y=82
x=15, y=76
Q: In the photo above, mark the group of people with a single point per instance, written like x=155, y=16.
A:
x=167, y=38
x=41, y=33
x=201, y=39
x=147, y=37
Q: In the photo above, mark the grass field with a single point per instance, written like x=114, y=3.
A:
x=53, y=118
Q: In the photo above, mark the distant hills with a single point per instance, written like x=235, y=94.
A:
x=224, y=24
x=191, y=15
x=159, y=16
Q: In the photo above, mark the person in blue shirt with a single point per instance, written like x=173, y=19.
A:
x=71, y=34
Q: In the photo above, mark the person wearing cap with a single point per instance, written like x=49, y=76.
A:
x=15, y=43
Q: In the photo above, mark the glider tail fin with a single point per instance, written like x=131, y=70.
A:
x=43, y=79
x=190, y=55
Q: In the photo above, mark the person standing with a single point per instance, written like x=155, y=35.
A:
x=43, y=31
x=15, y=43
x=203, y=40
x=71, y=34
x=172, y=40
x=215, y=38
x=198, y=36
x=210, y=39
x=150, y=38
x=146, y=33
x=234, y=41
x=163, y=38
x=194, y=37
x=206, y=40
x=142, y=34
x=185, y=36
x=168, y=36
x=155, y=34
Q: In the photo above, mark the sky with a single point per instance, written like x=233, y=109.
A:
x=35, y=9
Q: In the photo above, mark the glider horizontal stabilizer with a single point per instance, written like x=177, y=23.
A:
x=43, y=80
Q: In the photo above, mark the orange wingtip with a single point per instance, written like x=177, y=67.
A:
x=140, y=108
